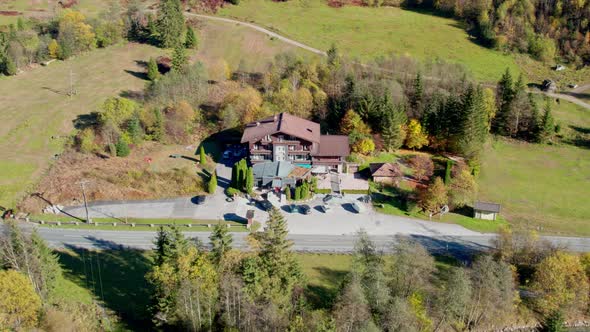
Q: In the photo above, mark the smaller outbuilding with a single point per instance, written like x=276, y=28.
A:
x=385, y=172
x=549, y=86
x=278, y=174
x=487, y=211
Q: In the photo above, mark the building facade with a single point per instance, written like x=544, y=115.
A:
x=284, y=137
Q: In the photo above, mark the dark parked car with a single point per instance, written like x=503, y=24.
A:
x=292, y=208
x=327, y=198
x=305, y=209
x=199, y=200
x=265, y=205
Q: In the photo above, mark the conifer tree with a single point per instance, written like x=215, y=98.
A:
x=221, y=243
x=473, y=126
x=202, y=156
x=212, y=185
x=170, y=23
x=191, y=40
x=393, y=131
x=152, y=70
x=179, y=59
x=547, y=126
x=249, y=182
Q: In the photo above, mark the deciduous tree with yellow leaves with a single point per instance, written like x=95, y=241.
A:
x=19, y=304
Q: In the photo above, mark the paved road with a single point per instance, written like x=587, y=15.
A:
x=456, y=245
x=564, y=96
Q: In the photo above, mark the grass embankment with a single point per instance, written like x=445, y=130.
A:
x=366, y=32
x=543, y=187
x=37, y=113
x=124, y=224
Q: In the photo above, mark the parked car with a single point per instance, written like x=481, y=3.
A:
x=572, y=86
x=305, y=209
x=265, y=205
x=358, y=207
x=226, y=155
x=199, y=200
x=292, y=208
x=327, y=198
x=325, y=208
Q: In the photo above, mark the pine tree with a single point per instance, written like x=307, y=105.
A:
x=212, y=185
x=505, y=95
x=448, y=171
x=152, y=70
x=191, y=40
x=249, y=182
x=170, y=23
x=221, y=243
x=202, y=157
x=276, y=256
x=179, y=59
x=393, y=132
x=158, y=131
x=473, y=126
x=288, y=193
x=547, y=127
x=234, y=176
x=417, y=95
x=134, y=129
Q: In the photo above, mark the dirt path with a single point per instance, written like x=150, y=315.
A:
x=270, y=33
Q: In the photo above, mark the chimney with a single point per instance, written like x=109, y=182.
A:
x=257, y=123
x=275, y=117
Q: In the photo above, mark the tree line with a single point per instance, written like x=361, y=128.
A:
x=219, y=288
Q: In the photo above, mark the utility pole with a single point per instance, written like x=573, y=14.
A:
x=82, y=184
x=72, y=92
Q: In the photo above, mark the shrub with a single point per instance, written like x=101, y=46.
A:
x=231, y=191
x=122, y=148
x=212, y=185
x=86, y=141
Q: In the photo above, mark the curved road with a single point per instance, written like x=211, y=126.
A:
x=290, y=41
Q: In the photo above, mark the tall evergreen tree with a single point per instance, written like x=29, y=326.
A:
x=547, y=126
x=170, y=23
x=179, y=59
x=505, y=95
x=417, y=96
x=473, y=127
x=152, y=70
x=202, y=156
x=392, y=131
x=191, y=40
x=276, y=256
x=249, y=182
x=212, y=185
x=221, y=243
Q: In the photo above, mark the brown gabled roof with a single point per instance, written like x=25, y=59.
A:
x=333, y=146
x=488, y=207
x=282, y=123
x=389, y=170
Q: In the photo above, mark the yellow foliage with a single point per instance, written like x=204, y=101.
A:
x=74, y=22
x=560, y=283
x=19, y=304
x=415, y=137
x=53, y=49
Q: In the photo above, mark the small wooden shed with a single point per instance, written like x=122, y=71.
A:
x=485, y=210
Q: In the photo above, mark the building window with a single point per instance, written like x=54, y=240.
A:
x=291, y=147
x=267, y=137
x=281, y=138
x=256, y=146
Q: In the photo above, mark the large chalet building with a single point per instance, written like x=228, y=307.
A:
x=285, y=137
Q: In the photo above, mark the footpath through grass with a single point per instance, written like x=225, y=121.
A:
x=366, y=32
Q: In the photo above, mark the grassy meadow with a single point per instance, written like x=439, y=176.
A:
x=544, y=187
x=37, y=113
x=365, y=32
x=45, y=8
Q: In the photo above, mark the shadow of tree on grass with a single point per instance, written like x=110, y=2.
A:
x=115, y=277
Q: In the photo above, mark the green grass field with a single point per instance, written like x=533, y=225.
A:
x=45, y=8
x=37, y=113
x=369, y=32
x=543, y=187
